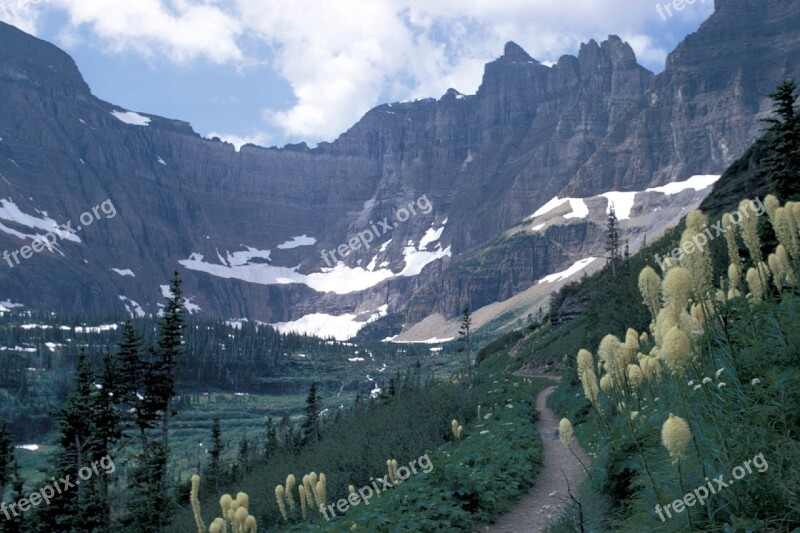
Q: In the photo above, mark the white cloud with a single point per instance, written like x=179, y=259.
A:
x=24, y=14
x=184, y=30
x=258, y=138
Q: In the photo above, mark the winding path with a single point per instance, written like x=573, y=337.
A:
x=543, y=505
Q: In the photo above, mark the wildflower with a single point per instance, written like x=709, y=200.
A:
x=290, y=483
x=632, y=339
x=304, y=500
x=721, y=384
x=690, y=324
x=644, y=338
x=730, y=238
x=719, y=372
x=750, y=233
x=756, y=280
x=771, y=204
x=321, y=493
x=217, y=526
x=484, y=432
x=250, y=524
x=675, y=435
x=606, y=383
x=590, y=389
x=676, y=287
x=635, y=375
x=786, y=231
x=697, y=262
x=786, y=267
x=650, y=287
x=698, y=387
x=755, y=381
x=677, y=350
x=667, y=318
x=775, y=269
x=565, y=432
x=225, y=503
x=195, y=500
x=279, y=499
x=706, y=380
x=585, y=360
x=609, y=349
x=690, y=383
x=634, y=414
x=696, y=221
x=734, y=275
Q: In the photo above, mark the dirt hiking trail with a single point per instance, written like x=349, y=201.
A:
x=543, y=505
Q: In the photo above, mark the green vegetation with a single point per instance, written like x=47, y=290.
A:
x=711, y=392
x=473, y=479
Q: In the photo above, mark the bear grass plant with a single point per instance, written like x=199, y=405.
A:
x=713, y=385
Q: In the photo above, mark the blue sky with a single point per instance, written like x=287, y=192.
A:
x=278, y=71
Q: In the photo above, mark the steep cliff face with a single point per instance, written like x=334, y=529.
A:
x=248, y=230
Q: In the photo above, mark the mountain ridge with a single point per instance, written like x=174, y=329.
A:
x=591, y=123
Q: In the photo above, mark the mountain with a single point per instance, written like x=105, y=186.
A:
x=443, y=186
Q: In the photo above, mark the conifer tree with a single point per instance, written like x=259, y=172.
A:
x=215, y=455
x=612, y=240
x=783, y=164
x=310, y=429
x=464, y=337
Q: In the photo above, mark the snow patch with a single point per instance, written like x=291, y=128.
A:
x=11, y=213
x=622, y=201
x=134, y=309
x=433, y=340
x=579, y=208
x=129, y=117
x=236, y=323
x=564, y=274
x=698, y=183
x=296, y=242
x=123, y=273
x=432, y=235
x=96, y=329
x=341, y=328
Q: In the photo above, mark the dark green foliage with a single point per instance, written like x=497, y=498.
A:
x=87, y=429
x=472, y=481
x=465, y=343
x=612, y=241
x=499, y=346
x=215, y=454
x=782, y=163
x=310, y=432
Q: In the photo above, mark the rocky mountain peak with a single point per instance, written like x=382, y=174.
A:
x=38, y=64
x=513, y=53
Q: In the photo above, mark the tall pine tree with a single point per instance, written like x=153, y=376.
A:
x=310, y=431
x=783, y=164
